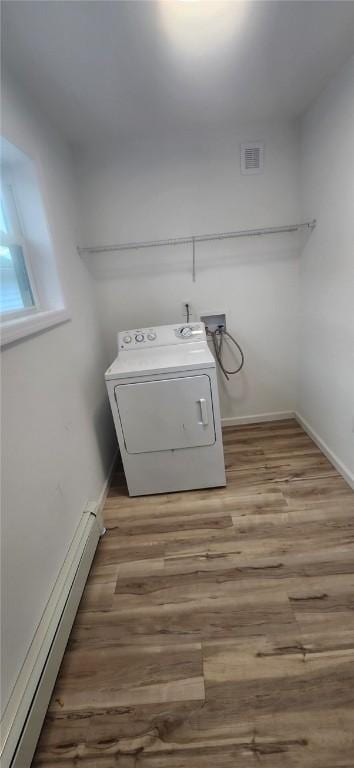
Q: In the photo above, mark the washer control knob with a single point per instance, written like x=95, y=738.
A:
x=151, y=336
x=139, y=337
x=127, y=339
x=186, y=331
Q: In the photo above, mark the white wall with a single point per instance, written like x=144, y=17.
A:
x=188, y=184
x=57, y=430
x=326, y=362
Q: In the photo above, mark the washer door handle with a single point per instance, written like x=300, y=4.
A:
x=203, y=411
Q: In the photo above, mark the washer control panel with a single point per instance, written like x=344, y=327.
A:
x=163, y=336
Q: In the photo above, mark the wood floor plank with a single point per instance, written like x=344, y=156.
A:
x=188, y=689
x=217, y=626
x=117, y=676
x=170, y=525
x=310, y=492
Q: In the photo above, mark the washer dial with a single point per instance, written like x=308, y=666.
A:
x=139, y=337
x=185, y=331
x=127, y=339
x=151, y=336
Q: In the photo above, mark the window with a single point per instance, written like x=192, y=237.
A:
x=16, y=292
x=31, y=298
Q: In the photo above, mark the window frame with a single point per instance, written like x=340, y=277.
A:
x=49, y=310
x=15, y=238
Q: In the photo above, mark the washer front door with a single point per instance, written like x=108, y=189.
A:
x=168, y=414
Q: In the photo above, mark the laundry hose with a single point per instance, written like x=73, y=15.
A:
x=218, y=345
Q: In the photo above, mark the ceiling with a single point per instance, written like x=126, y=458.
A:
x=108, y=70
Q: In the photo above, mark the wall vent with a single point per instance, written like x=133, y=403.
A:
x=252, y=157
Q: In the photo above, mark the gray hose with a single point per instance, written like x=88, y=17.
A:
x=218, y=351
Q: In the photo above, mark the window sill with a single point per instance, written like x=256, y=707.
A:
x=20, y=327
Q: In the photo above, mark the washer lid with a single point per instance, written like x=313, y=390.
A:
x=186, y=357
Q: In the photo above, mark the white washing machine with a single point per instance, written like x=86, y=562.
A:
x=164, y=397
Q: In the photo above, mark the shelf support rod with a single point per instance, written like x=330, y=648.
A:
x=192, y=239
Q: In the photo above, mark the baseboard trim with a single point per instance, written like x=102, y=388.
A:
x=23, y=717
x=21, y=700
x=105, y=489
x=331, y=456
x=33, y=722
x=233, y=421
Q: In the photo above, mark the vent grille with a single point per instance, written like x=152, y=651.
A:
x=252, y=157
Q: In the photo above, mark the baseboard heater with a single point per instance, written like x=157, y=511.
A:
x=27, y=706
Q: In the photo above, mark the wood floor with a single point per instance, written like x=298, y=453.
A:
x=216, y=629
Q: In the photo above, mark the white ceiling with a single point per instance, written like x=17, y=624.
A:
x=105, y=70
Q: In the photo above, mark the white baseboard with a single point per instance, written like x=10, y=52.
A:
x=96, y=507
x=53, y=652
x=233, y=421
x=24, y=714
x=105, y=489
x=331, y=456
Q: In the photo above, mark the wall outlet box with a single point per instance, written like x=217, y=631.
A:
x=214, y=322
